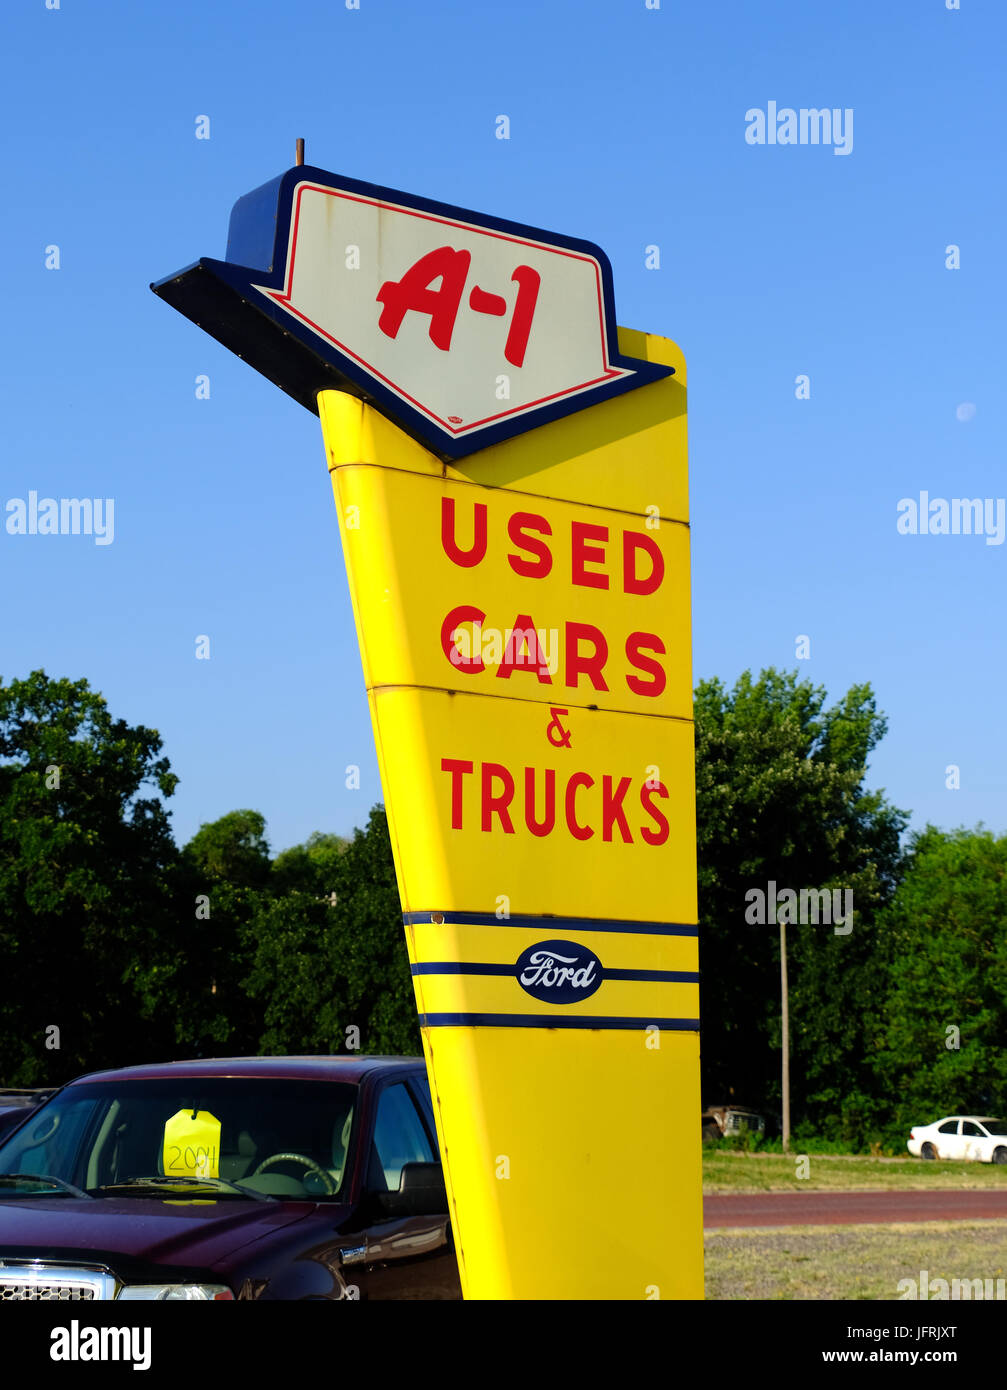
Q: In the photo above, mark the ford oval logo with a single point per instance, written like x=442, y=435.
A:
x=558, y=972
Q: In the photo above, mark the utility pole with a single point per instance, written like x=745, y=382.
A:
x=785, y=1029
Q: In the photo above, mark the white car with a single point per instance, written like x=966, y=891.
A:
x=974, y=1137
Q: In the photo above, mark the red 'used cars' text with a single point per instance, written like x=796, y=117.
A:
x=585, y=646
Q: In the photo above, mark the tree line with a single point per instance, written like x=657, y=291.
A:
x=118, y=946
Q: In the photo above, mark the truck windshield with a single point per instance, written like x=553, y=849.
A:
x=244, y=1136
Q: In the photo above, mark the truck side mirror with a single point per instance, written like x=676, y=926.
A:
x=421, y=1191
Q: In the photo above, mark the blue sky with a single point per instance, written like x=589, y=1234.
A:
x=628, y=129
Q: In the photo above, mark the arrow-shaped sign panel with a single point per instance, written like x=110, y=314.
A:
x=464, y=329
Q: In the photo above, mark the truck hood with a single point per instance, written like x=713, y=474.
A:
x=133, y=1234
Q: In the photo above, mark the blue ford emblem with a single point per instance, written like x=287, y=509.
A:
x=558, y=972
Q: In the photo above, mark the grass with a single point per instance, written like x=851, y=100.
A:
x=849, y=1262
x=761, y=1172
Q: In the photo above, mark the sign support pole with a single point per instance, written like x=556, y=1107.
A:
x=567, y=1125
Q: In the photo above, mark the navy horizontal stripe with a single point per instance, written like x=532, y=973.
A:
x=551, y=924
x=458, y=967
x=679, y=1025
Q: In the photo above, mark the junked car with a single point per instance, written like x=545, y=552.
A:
x=721, y=1120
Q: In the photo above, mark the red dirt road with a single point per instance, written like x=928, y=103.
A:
x=850, y=1208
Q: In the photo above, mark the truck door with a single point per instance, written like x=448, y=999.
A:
x=402, y=1257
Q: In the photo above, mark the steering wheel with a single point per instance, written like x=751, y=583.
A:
x=309, y=1164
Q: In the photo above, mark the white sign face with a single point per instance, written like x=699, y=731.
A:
x=464, y=329
x=465, y=324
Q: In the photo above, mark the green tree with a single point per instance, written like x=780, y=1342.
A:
x=193, y=977
x=86, y=857
x=311, y=867
x=781, y=798
x=190, y=980
x=326, y=962
x=944, y=1018
x=233, y=848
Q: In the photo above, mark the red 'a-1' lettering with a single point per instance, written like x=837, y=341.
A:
x=413, y=294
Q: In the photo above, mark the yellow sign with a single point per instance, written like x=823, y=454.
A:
x=191, y=1145
x=516, y=597
x=565, y=812
x=524, y=626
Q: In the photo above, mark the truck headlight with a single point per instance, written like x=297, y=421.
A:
x=177, y=1293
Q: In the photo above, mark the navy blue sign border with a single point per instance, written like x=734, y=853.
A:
x=449, y=917
x=586, y=1021
x=219, y=297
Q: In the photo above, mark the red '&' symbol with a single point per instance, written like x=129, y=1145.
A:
x=555, y=726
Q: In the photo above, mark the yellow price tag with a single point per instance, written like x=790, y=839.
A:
x=192, y=1145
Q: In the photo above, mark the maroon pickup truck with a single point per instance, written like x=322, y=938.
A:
x=249, y=1178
